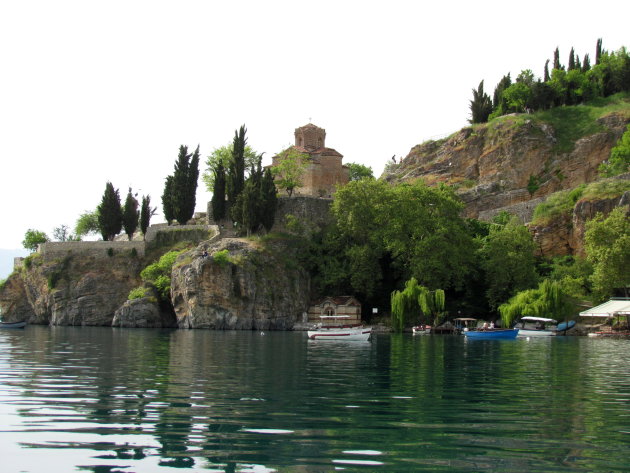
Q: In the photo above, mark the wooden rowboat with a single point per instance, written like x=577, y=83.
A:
x=12, y=324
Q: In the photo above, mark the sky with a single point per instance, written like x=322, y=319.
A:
x=92, y=91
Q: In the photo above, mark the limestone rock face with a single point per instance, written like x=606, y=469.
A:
x=75, y=290
x=256, y=288
x=143, y=313
x=492, y=164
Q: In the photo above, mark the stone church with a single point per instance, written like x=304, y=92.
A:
x=325, y=170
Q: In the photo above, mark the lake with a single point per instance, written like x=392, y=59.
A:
x=131, y=400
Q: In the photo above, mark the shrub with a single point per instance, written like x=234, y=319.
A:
x=221, y=257
x=557, y=205
x=137, y=293
x=134, y=253
x=53, y=279
x=606, y=189
x=110, y=252
x=159, y=273
x=3, y=282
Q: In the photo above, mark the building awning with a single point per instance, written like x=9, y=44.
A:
x=611, y=308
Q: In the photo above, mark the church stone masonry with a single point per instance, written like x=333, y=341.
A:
x=325, y=170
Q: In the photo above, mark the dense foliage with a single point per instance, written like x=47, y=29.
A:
x=109, y=213
x=290, y=168
x=577, y=83
x=130, y=214
x=358, y=171
x=87, y=224
x=159, y=273
x=33, y=238
x=619, y=161
x=608, y=250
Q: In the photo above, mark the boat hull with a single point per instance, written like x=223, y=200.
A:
x=12, y=324
x=497, y=334
x=358, y=333
x=535, y=333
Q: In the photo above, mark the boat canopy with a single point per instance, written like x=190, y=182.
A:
x=527, y=318
x=464, y=319
x=608, y=309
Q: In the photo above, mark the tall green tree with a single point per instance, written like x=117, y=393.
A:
x=556, y=60
x=110, y=213
x=405, y=305
x=269, y=199
x=167, y=200
x=223, y=156
x=146, y=212
x=33, y=238
x=571, y=60
x=598, y=51
x=480, y=105
x=218, y=192
x=507, y=257
x=183, y=192
x=236, y=170
x=130, y=214
x=607, y=244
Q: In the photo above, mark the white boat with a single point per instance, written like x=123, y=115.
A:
x=421, y=329
x=331, y=329
x=536, y=327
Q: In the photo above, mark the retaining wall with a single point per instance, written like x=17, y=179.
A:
x=60, y=249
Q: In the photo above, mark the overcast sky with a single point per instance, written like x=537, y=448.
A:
x=92, y=92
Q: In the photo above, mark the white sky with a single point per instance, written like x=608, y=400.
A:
x=96, y=91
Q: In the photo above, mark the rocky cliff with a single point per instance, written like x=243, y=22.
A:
x=510, y=163
x=73, y=290
x=240, y=285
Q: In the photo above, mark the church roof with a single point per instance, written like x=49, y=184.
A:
x=320, y=151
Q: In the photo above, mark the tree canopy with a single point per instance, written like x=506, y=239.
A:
x=290, y=168
x=130, y=214
x=110, y=213
x=33, y=238
x=180, y=189
x=359, y=171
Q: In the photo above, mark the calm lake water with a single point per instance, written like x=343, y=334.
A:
x=125, y=400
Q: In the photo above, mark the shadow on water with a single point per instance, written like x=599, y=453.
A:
x=109, y=400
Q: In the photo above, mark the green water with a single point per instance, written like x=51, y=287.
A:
x=114, y=400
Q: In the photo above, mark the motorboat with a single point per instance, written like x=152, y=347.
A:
x=536, y=327
x=421, y=329
x=332, y=328
x=492, y=334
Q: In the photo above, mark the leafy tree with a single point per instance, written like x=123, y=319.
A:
x=33, y=238
x=359, y=171
x=405, y=304
x=130, y=215
x=167, y=200
x=146, y=212
x=619, y=161
x=218, y=192
x=503, y=84
x=87, y=224
x=507, y=257
x=607, y=244
x=110, y=213
x=223, y=156
x=290, y=169
x=480, y=105
x=432, y=304
x=598, y=51
x=572, y=65
x=548, y=300
x=586, y=63
x=158, y=274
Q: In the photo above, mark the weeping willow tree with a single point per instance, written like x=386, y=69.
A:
x=548, y=300
x=415, y=300
x=432, y=304
x=405, y=303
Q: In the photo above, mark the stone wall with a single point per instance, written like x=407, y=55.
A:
x=311, y=212
x=523, y=210
x=60, y=249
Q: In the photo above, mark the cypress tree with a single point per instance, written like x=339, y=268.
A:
x=236, y=173
x=546, y=75
x=480, y=105
x=571, y=60
x=167, y=201
x=146, y=212
x=191, y=187
x=109, y=213
x=269, y=198
x=586, y=63
x=218, y=193
x=180, y=185
x=598, y=51
x=130, y=215
x=503, y=84
x=556, y=59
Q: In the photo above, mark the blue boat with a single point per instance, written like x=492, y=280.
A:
x=564, y=326
x=492, y=334
x=12, y=324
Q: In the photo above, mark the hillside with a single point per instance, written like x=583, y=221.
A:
x=515, y=161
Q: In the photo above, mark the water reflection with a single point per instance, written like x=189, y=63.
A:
x=98, y=399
